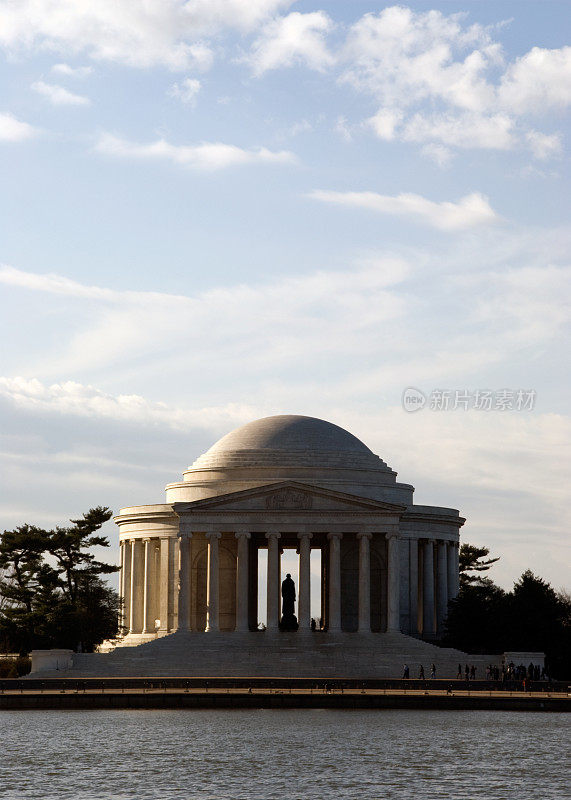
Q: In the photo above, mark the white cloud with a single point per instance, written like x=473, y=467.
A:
x=538, y=80
x=343, y=128
x=186, y=90
x=438, y=153
x=141, y=34
x=435, y=80
x=201, y=56
x=80, y=400
x=385, y=123
x=543, y=145
x=296, y=38
x=461, y=130
x=14, y=130
x=58, y=96
x=204, y=156
x=325, y=306
x=402, y=57
x=72, y=72
x=59, y=284
x=469, y=211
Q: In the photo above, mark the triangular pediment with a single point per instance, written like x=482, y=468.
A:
x=288, y=496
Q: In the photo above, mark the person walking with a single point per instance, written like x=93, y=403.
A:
x=405, y=672
x=433, y=671
x=421, y=673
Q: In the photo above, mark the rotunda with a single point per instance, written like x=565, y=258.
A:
x=191, y=564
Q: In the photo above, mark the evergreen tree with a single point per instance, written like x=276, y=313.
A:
x=472, y=559
x=27, y=586
x=539, y=619
x=532, y=617
x=51, y=590
x=70, y=548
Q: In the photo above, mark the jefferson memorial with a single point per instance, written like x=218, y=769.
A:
x=383, y=568
x=191, y=564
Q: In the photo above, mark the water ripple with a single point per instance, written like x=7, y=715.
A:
x=286, y=755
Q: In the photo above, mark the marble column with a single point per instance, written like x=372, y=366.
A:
x=242, y=580
x=122, y=577
x=213, y=584
x=413, y=586
x=304, y=601
x=456, y=569
x=136, y=595
x=450, y=564
x=334, y=625
x=273, y=582
x=364, y=582
x=393, y=582
x=428, y=588
x=441, y=585
x=148, y=577
x=184, y=538
x=164, y=584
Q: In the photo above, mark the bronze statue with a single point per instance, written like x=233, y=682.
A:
x=289, y=620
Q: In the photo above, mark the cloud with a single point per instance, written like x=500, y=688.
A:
x=186, y=91
x=59, y=284
x=438, y=153
x=72, y=72
x=204, y=156
x=544, y=145
x=75, y=399
x=462, y=130
x=538, y=80
x=469, y=211
x=168, y=33
x=402, y=57
x=121, y=325
x=14, y=130
x=294, y=39
x=368, y=328
x=58, y=96
x=434, y=78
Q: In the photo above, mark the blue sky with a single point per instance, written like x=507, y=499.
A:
x=214, y=211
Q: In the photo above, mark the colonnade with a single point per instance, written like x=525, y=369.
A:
x=149, y=565
x=435, y=587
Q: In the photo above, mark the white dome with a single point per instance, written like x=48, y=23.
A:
x=289, y=448
x=289, y=439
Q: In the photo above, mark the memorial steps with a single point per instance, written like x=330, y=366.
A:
x=300, y=655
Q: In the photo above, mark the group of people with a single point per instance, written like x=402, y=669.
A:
x=421, y=675
x=469, y=673
x=509, y=672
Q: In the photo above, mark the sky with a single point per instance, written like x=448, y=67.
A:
x=217, y=210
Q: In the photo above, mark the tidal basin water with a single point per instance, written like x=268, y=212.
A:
x=290, y=755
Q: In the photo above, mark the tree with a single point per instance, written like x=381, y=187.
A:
x=27, y=586
x=532, y=617
x=539, y=619
x=70, y=548
x=475, y=621
x=471, y=560
x=51, y=588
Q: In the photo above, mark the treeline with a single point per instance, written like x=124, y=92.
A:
x=532, y=616
x=52, y=593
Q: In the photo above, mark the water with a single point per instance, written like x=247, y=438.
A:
x=290, y=755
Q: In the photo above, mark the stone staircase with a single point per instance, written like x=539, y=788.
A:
x=264, y=654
